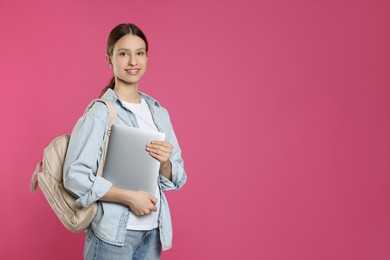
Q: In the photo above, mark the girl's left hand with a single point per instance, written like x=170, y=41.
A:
x=160, y=150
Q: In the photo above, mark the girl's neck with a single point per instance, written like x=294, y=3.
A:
x=127, y=92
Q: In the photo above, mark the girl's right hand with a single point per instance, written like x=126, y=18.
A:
x=141, y=203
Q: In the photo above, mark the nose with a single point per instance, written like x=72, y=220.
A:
x=133, y=60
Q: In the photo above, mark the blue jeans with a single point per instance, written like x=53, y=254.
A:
x=138, y=245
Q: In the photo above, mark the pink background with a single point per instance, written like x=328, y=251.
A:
x=281, y=107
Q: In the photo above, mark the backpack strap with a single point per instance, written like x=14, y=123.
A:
x=111, y=110
x=34, y=178
x=111, y=121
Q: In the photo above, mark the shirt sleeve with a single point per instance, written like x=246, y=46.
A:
x=179, y=176
x=83, y=156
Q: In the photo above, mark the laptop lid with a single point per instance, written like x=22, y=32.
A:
x=128, y=165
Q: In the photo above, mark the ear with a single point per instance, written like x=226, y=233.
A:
x=108, y=61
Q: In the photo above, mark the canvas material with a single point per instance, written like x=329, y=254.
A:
x=48, y=175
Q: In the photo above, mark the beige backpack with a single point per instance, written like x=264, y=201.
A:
x=50, y=179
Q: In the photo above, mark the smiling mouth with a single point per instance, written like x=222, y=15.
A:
x=132, y=71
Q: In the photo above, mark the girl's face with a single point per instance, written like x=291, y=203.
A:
x=129, y=59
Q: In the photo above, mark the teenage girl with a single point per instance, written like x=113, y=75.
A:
x=128, y=224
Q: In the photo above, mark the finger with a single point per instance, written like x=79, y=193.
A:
x=150, y=210
x=159, y=148
x=162, y=143
x=159, y=157
x=153, y=199
x=158, y=153
x=139, y=213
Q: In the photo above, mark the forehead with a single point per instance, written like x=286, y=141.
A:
x=130, y=42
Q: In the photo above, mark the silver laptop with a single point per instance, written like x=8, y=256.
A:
x=128, y=164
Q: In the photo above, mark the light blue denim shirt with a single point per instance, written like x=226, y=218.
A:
x=82, y=159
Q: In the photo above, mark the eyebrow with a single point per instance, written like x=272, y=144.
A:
x=124, y=49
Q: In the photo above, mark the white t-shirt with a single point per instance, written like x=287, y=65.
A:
x=145, y=121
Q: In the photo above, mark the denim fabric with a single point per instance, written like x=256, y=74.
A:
x=138, y=245
x=82, y=159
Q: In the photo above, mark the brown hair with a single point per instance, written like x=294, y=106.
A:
x=118, y=32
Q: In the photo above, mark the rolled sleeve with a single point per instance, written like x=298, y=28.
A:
x=179, y=176
x=99, y=187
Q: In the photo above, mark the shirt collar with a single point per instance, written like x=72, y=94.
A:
x=110, y=95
